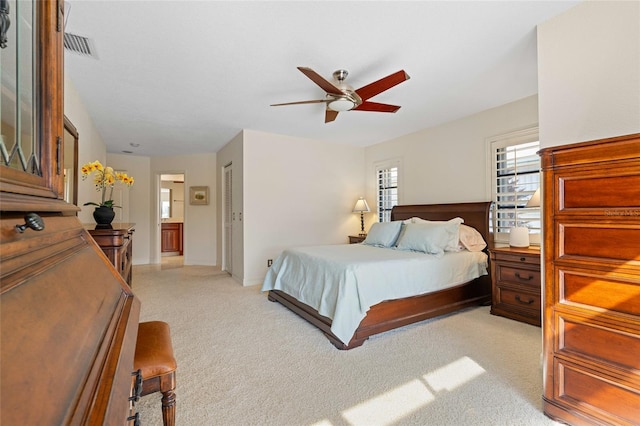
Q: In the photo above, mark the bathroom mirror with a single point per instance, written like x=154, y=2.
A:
x=165, y=203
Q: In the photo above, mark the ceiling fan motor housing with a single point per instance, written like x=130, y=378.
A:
x=349, y=101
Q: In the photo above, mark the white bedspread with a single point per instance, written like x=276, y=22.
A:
x=343, y=281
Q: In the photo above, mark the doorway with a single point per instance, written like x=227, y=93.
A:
x=171, y=210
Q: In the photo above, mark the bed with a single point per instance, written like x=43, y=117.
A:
x=386, y=315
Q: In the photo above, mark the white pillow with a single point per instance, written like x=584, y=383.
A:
x=471, y=239
x=429, y=237
x=383, y=234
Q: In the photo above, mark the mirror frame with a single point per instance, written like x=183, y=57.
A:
x=69, y=127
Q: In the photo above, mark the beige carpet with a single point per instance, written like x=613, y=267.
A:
x=243, y=360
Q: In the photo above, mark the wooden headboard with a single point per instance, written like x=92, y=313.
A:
x=475, y=215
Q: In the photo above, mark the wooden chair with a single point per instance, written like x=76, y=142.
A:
x=154, y=357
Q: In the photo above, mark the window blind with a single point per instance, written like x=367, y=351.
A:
x=516, y=178
x=387, y=192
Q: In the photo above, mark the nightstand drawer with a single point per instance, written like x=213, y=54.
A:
x=528, y=258
x=518, y=298
x=516, y=304
x=518, y=275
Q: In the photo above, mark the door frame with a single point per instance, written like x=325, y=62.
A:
x=158, y=213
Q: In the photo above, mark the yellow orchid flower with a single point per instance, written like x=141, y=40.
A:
x=104, y=177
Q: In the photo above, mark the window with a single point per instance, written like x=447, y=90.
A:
x=387, y=178
x=515, y=167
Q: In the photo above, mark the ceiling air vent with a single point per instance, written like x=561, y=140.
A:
x=80, y=45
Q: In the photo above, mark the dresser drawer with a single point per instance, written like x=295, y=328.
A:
x=604, y=242
x=600, y=396
x=599, y=343
x=599, y=290
x=588, y=191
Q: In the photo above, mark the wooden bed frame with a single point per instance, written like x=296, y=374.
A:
x=392, y=314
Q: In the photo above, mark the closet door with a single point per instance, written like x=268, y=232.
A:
x=228, y=224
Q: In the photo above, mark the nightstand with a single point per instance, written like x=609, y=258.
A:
x=515, y=276
x=355, y=239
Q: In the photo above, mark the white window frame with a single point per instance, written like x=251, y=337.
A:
x=522, y=216
x=385, y=215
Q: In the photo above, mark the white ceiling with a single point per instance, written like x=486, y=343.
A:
x=185, y=77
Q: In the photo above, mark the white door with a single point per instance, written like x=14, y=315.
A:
x=227, y=262
x=121, y=198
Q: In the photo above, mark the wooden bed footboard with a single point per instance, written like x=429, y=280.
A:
x=392, y=314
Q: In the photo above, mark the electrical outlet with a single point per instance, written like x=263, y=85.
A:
x=269, y=262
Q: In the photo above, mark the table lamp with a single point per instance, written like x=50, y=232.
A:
x=361, y=207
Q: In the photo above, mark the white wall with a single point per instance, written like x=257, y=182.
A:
x=199, y=220
x=139, y=200
x=589, y=73
x=447, y=163
x=90, y=148
x=294, y=192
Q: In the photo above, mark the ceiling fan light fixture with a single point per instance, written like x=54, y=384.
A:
x=341, y=104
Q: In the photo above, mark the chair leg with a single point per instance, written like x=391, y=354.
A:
x=169, y=408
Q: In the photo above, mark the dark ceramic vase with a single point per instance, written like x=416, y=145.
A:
x=104, y=215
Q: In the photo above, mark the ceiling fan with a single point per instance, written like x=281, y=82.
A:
x=342, y=97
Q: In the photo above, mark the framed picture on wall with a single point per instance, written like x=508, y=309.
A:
x=199, y=195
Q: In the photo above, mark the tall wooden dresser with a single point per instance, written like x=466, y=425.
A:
x=68, y=321
x=592, y=281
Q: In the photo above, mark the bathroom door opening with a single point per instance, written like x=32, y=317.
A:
x=172, y=219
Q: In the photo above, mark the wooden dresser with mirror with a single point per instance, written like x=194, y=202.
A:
x=68, y=319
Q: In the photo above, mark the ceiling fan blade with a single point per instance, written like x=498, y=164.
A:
x=376, y=107
x=330, y=115
x=370, y=90
x=315, y=101
x=324, y=84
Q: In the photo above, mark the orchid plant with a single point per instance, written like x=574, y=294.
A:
x=104, y=178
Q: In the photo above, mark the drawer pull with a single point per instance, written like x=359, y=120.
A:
x=135, y=419
x=31, y=221
x=522, y=259
x=137, y=386
x=529, y=278
x=527, y=302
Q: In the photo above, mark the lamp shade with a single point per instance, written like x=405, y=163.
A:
x=361, y=206
x=534, y=201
